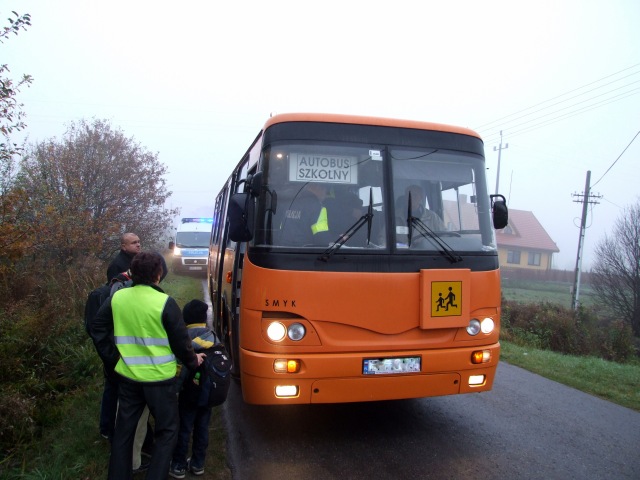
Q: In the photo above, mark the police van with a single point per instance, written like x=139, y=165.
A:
x=191, y=246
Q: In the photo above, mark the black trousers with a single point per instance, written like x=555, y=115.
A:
x=163, y=405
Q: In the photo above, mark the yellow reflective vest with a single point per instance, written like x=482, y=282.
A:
x=140, y=337
x=322, y=224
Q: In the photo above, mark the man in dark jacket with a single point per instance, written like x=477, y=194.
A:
x=138, y=334
x=130, y=246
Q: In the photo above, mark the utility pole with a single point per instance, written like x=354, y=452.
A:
x=499, y=149
x=585, y=199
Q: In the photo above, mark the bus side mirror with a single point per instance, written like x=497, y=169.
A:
x=499, y=211
x=171, y=245
x=240, y=217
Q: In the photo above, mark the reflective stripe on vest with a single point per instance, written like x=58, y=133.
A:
x=322, y=224
x=145, y=353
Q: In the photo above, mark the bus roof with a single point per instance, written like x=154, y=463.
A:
x=363, y=120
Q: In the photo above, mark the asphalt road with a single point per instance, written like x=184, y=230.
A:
x=526, y=428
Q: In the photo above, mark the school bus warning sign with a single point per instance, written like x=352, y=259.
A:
x=446, y=299
x=311, y=167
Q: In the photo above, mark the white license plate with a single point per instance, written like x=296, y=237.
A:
x=390, y=366
x=195, y=268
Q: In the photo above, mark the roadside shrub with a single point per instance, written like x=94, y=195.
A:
x=552, y=327
x=618, y=342
x=44, y=351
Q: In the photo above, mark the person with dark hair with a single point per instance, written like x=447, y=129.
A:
x=193, y=417
x=138, y=333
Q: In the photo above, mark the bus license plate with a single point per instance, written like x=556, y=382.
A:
x=386, y=366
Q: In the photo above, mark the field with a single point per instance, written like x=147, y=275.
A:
x=535, y=291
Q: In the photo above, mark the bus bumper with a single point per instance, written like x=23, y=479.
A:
x=339, y=378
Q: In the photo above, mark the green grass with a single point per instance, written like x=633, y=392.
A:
x=611, y=381
x=183, y=288
x=522, y=291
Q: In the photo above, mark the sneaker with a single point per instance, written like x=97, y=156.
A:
x=193, y=469
x=196, y=470
x=177, y=472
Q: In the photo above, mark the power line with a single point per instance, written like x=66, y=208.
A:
x=573, y=113
x=573, y=105
x=481, y=127
x=625, y=149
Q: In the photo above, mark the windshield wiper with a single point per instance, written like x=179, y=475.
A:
x=429, y=234
x=351, y=231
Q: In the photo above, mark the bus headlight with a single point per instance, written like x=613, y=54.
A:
x=487, y=325
x=296, y=332
x=276, y=331
x=474, y=327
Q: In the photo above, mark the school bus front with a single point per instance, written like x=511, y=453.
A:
x=311, y=337
x=358, y=262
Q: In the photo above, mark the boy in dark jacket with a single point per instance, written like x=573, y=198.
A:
x=193, y=418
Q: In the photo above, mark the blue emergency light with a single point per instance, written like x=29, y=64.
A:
x=197, y=220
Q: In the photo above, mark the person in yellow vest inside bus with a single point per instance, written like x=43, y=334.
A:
x=305, y=221
x=138, y=333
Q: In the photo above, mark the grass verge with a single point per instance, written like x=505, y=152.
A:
x=611, y=381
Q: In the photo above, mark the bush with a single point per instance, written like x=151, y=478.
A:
x=552, y=327
x=44, y=351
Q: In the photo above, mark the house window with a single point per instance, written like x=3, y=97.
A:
x=534, y=258
x=513, y=256
x=508, y=230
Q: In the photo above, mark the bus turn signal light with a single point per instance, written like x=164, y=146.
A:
x=481, y=356
x=282, y=365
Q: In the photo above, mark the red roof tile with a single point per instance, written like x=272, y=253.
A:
x=527, y=232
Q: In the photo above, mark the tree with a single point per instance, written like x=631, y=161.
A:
x=616, y=274
x=11, y=115
x=14, y=238
x=89, y=188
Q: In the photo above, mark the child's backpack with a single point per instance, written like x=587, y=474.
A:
x=94, y=300
x=97, y=296
x=209, y=384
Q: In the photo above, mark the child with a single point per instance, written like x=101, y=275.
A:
x=192, y=417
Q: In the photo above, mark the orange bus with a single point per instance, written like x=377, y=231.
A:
x=354, y=259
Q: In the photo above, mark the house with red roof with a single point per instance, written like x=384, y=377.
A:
x=523, y=243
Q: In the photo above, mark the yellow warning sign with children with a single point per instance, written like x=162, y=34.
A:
x=446, y=298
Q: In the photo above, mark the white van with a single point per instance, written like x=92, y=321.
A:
x=191, y=246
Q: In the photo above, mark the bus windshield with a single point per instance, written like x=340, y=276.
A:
x=313, y=193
